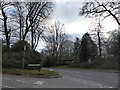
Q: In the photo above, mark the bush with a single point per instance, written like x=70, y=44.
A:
x=109, y=64
x=99, y=62
x=33, y=57
x=105, y=63
x=83, y=65
x=19, y=46
x=48, y=62
x=15, y=59
x=12, y=59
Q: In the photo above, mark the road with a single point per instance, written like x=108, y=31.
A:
x=69, y=79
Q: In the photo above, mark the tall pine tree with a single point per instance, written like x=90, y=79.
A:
x=88, y=48
x=77, y=49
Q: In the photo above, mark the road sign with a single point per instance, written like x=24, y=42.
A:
x=30, y=65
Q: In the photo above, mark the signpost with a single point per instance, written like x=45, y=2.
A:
x=35, y=65
x=24, y=55
x=29, y=65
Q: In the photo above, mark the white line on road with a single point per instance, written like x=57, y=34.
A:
x=17, y=80
x=22, y=81
x=103, y=86
x=7, y=78
x=88, y=82
x=7, y=86
x=39, y=82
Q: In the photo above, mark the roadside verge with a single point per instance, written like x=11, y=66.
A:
x=32, y=73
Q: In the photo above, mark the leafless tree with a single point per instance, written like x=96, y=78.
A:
x=37, y=12
x=105, y=9
x=55, y=40
x=19, y=16
x=30, y=16
x=97, y=31
x=5, y=29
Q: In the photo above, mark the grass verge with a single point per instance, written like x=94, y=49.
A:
x=32, y=73
x=92, y=69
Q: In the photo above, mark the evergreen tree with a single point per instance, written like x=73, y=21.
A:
x=85, y=53
x=93, y=50
x=114, y=45
x=77, y=49
x=88, y=48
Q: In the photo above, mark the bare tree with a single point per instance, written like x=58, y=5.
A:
x=31, y=17
x=19, y=16
x=3, y=7
x=38, y=34
x=37, y=12
x=97, y=31
x=105, y=9
x=55, y=40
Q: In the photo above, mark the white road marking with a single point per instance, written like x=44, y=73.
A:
x=22, y=81
x=95, y=84
x=103, y=86
x=17, y=80
x=7, y=78
x=7, y=86
x=39, y=82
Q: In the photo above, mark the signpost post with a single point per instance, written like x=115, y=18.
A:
x=24, y=48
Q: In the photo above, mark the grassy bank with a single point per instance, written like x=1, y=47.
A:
x=33, y=73
x=93, y=69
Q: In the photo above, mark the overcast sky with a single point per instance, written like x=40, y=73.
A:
x=68, y=14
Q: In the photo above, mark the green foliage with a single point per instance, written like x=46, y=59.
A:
x=49, y=61
x=93, y=50
x=62, y=63
x=14, y=57
x=20, y=46
x=82, y=65
x=99, y=63
x=33, y=57
x=85, y=53
x=77, y=49
x=113, y=49
x=44, y=73
x=88, y=48
x=4, y=48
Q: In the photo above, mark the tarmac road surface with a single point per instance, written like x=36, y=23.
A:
x=69, y=79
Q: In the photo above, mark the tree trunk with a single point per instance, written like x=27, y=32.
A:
x=20, y=30
x=32, y=37
x=6, y=30
x=99, y=43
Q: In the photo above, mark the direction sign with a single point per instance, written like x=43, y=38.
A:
x=33, y=65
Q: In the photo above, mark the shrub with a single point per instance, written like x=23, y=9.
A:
x=105, y=63
x=48, y=62
x=12, y=59
x=19, y=46
x=33, y=57
x=15, y=59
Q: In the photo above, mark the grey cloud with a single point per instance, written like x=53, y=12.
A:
x=67, y=12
